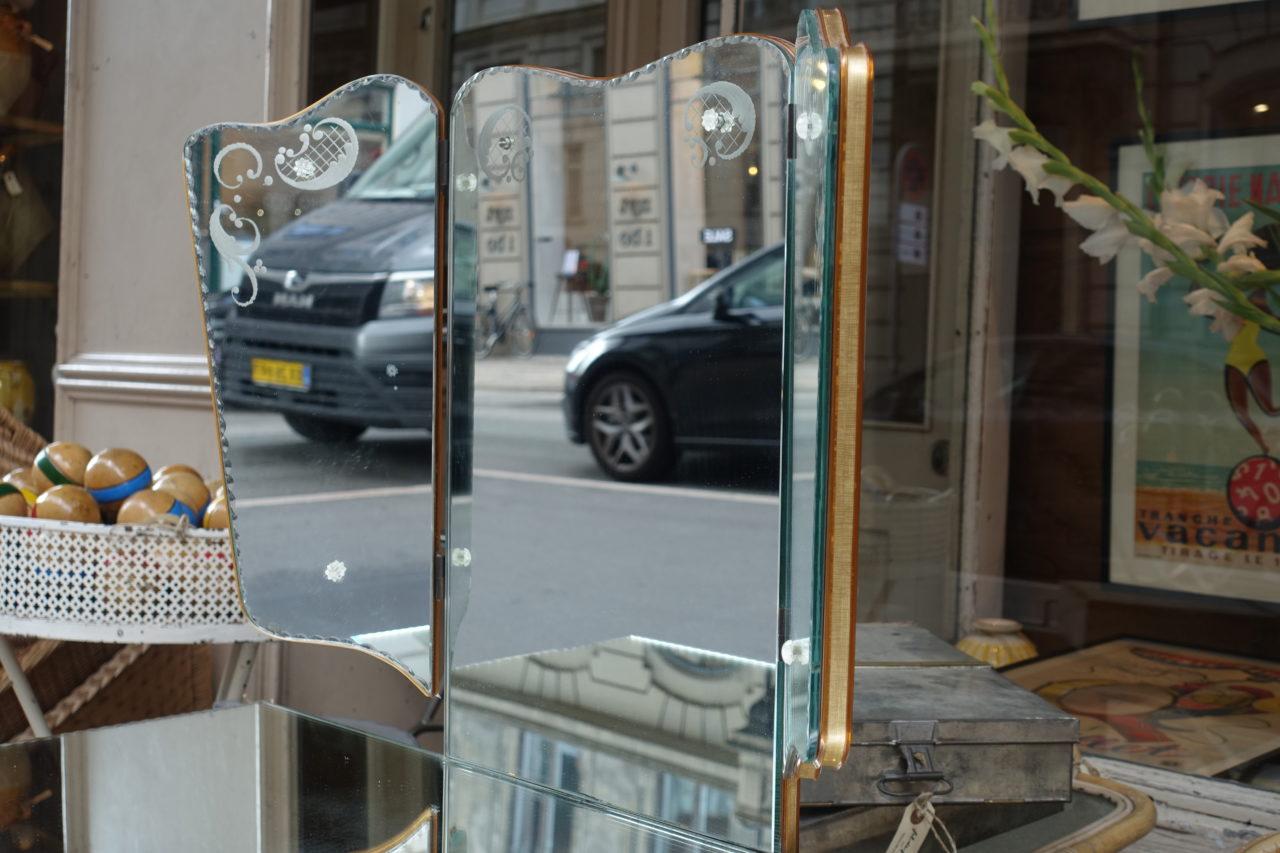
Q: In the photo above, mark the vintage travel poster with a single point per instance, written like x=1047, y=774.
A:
x=1195, y=468
x=1183, y=709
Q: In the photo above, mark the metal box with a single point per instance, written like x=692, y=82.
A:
x=928, y=717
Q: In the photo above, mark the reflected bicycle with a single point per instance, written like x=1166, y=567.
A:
x=513, y=323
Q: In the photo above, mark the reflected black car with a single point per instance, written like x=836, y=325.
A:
x=703, y=371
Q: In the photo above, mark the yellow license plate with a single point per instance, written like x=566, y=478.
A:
x=283, y=374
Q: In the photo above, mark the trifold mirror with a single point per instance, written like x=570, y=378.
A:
x=644, y=549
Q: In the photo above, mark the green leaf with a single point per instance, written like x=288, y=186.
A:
x=1265, y=211
x=1262, y=278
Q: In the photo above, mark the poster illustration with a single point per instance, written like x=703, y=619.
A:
x=1183, y=709
x=1195, y=448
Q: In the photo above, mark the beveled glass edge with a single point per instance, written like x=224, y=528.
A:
x=809, y=37
x=430, y=686
x=649, y=826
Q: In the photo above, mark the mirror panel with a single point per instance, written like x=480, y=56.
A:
x=315, y=240
x=613, y=531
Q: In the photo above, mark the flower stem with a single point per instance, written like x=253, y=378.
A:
x=1136, y=219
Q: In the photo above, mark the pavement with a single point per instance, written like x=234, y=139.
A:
x=537, y=373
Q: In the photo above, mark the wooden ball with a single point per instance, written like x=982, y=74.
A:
x=60, y=464
x=217, y=516
x=150, y=506
x=186, y=487
x=169, y=469
x=114, y=474
x=216, y=487
x=68, y=503
x=21, y=479
x=13, y=502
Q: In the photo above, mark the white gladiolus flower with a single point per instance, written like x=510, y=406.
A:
x=1204, y=303
x=1240, y=265
x=1091, y=212
x=1185, y=236
x=998, y=138
x=1030, y=164
x=1194, y=204
x=1152, y=281
x=1105, y=243
x=1240, y=237
x=1110, y=234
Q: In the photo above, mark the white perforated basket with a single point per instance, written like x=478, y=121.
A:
x=118, y=583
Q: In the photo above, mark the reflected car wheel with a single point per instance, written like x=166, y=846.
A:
x=627, y=428
x=324, y=431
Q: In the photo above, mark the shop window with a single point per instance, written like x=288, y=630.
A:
x=1110, y=437
x=343, y=44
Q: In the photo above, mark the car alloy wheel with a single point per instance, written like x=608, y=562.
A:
x=627, y=428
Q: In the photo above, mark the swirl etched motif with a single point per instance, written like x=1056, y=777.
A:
x=719, y=122
x=326, y=156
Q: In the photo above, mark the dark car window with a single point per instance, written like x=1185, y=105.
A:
x=761, y=284
x=406, y=170
x=756, y=285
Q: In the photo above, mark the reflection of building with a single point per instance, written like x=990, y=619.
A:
x=644, y=726
x=603, y=208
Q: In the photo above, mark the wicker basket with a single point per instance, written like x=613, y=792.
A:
x=19, y=444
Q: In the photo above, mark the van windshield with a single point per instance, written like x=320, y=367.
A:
x=407, y=169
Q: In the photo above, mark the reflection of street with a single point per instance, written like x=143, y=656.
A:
x=301, y=505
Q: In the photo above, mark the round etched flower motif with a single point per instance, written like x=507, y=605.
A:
x=719, y=122
x=304, y=168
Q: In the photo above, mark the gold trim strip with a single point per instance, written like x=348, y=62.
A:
x=844, y=448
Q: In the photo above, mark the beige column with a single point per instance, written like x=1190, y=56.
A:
x=141, y=75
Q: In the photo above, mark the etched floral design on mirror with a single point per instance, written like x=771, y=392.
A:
x=315, y=241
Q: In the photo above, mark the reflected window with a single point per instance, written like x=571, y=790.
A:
x=698, y=806
x=541, y=824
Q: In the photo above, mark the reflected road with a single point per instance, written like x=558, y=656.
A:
x=308, y=499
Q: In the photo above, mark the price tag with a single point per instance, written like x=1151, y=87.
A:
x=12, y=184
x=914, y=826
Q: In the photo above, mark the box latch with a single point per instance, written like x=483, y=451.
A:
x=915, y=740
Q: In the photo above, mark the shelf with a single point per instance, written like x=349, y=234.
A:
x=28, y=132
x=18, y=288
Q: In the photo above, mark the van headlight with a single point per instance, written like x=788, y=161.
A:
x=408, y=294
